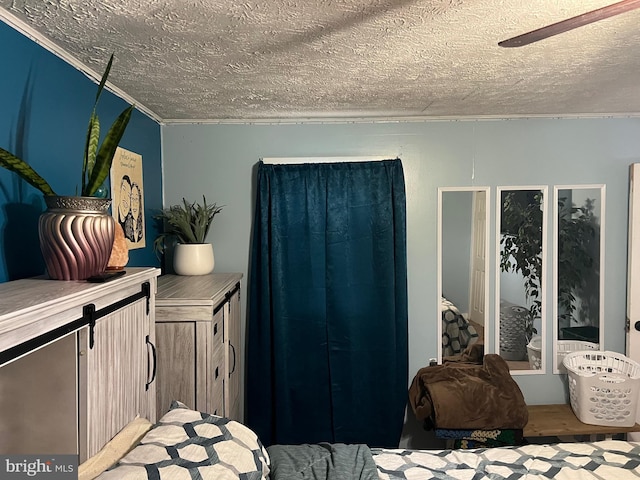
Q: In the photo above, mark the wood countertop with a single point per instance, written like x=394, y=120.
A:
x=557, y=420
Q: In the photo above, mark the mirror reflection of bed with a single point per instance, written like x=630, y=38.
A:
x=458, y=332
x=520, y=241
x=462, y=272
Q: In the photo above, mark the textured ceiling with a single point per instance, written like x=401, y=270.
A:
x=227, y=60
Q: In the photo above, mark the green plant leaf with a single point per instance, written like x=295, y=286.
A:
x=104, y=158
x=96, y=162
x=93, y=132
x=93, y=138
x=97, y=159
x=24, y=170
x=103, y=81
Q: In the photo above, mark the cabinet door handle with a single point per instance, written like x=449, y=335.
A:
x=234, y=358
x=153, y=372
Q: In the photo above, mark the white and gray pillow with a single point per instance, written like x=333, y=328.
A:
x=188, y=444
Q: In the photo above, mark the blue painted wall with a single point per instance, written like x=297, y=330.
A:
x=219, y=161
x=45, y=107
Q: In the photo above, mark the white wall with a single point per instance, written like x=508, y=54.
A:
x=219, y=161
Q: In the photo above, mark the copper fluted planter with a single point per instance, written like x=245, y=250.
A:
x=76, y=236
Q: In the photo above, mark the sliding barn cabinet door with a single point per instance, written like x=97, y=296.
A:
x=116, y=374
x=38, y=401
x=91, y=348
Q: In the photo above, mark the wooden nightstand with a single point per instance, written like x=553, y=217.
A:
x=199, y=347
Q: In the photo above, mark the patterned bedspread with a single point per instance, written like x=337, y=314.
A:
x=605, y=460
x=191, y=445
x=457, y=333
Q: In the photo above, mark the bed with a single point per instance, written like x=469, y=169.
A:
x=186, y=444
x=457, y=332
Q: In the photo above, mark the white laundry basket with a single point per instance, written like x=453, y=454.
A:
x=534, y=352
x=564, y=347
x=603, y=387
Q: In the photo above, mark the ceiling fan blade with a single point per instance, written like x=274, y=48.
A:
x=571, y=23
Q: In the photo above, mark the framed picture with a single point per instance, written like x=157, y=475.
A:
x=127, y=193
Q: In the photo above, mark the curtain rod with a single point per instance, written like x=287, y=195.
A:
x=287, y=160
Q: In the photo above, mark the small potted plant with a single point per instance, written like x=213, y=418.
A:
x=82, y=218
x=186, y=226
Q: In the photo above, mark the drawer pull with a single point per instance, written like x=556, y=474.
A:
x=150, y=369
x=215, y=328
x=233, y=349
x=216, y=373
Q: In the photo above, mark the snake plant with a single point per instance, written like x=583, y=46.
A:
x=186, y=223
x=97, y=159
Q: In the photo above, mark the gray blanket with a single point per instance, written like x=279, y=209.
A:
x=336, y=461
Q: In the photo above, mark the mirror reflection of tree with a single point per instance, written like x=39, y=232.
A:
x=521, y=243
x=578, y=270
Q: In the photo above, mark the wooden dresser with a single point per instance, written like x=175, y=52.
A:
x=77, y=361
x=198, y=338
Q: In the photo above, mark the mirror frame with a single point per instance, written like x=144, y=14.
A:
x=543, y=280
x=601, y=286
x=471, y=189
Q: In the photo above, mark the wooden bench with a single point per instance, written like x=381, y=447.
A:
x=559, y=420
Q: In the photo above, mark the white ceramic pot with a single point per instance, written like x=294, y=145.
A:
x=193, y=259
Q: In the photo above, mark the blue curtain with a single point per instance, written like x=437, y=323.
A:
x=327, y=322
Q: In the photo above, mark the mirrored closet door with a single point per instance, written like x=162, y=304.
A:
x=463, y=275
x=578, y=292
x=520, y=277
